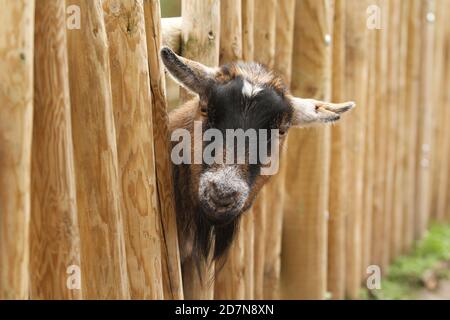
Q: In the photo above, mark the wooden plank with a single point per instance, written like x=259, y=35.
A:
x=230, y=281
x=443, y=207
x=54, y=237
x=412, y=91
x=356, y=70
x=248, y=15
x=391, y=221
x=398, y=213
x=200, y=42
x=378, y=213
x=438, y=147
x=248, y=220
x=16, y=121
x=171, y=267
x=424, y=129
x=131, y=101
x=338, y=200
x=369, y=155
x=284, y=44
x=264, y=29
x=103, y=268
x=303, y=266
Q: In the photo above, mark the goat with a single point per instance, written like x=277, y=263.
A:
x=210, y=199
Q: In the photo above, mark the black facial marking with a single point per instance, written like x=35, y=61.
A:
x=229, y=108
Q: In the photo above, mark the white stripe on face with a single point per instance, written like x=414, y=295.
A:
x=250, y=90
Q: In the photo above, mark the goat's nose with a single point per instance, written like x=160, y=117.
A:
x=222, y=196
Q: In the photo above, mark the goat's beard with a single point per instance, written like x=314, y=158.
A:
x=212, y=229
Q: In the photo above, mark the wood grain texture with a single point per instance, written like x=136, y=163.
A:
x=443, y=199
x=411, y=118
x=284, y=38
x=369, y=155
x=248, y=220
x=400, y=135
x=260, y=215
x=400, y=154
x=131, y=99
x=104, y=269
x=338, y=201
x=248, y=17
x=54, y=237
x=16, y=120
x=230, y=47
x=391, y=129
x=304, y=254
x=230, y=282
x=381, y=116
x=200, y=42
x=264, y=28
x=248, y=229
x=264, y=32
x=172, y=282
x=439, y=113
x=356, y=71
x=200, y=34
x=439, y=128
x=424, y=129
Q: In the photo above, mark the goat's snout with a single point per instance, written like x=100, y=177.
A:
x=222, y=193
x=222, y=196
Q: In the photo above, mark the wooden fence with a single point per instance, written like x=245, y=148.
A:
x=86, y=195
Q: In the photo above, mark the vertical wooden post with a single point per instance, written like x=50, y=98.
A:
x=134, y=131
x=439, y=148
x=381, y=109
x=54, y=237
x=369, y=153
x=411, y=103
x=200, y=41
x=171, y=268
x=248, y=220
x=284, y=38
x=230, y=282
x=103, y=268
x=230, y=31
x=264, y=29
x=303, y=268
x=16, y=120
x=424, y=129
x=401, y=137
x=392, y=114
x=247, y=29
x=443, y=99
x=356, y=70
x=338, y=200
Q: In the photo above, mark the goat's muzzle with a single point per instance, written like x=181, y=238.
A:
x=222, y=194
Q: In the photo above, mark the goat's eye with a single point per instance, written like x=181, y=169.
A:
x=204, y=111
x=282, y=132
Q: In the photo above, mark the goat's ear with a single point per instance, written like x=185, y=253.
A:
x=308, y=112
x=192, y=75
